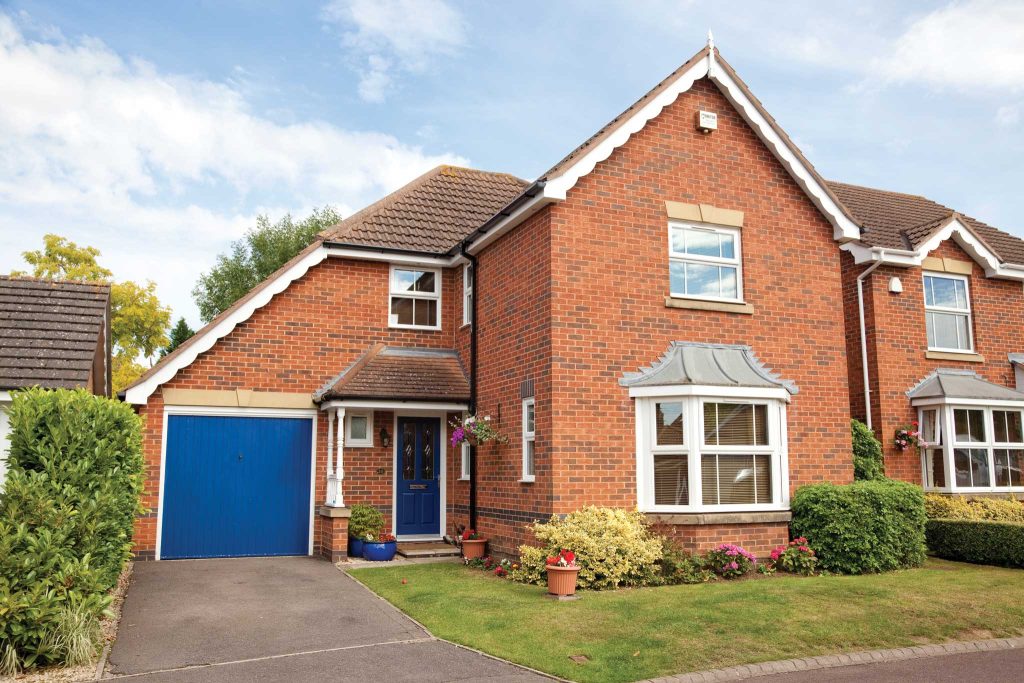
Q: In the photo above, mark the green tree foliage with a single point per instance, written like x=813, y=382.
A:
x=255, y=257
x=62, y=259
x=867, y=453
x=180, y=334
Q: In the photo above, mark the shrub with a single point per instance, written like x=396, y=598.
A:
x=867, y=526
x=613, y=547
x=978, y=541
x=366, y=521
x=867, y=453
x=679, y=567
x=730, y=561
x=796, y=558
x=66, y=517
x=957, y=507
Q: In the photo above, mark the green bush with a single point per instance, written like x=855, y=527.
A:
x=978, y=541
x=366, y=520
x=867, y=453
x=614, y=547
x=678, y=567
x=66, y=515
x=867, y=526
x=957, y=507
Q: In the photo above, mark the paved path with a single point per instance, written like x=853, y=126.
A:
x=293, y=618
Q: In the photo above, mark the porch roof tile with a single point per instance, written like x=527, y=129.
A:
x=961, y=384
x=400, y=373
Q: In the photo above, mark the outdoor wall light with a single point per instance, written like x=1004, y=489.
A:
x=385, y=438
x=895, y=285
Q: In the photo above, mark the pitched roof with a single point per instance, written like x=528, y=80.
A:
x=49, y=331
x=962, y=384
x=398, y=373
x=894, y=220
x=715, y=365
x=431, y=214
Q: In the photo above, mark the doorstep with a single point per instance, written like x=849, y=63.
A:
x=417, y=549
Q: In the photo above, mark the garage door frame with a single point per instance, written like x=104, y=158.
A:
x=207, y=411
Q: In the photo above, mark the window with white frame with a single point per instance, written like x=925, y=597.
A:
x=973, y=448
x=529, y=437
x=415, y=298
x=947, y=309
x=705, y=262
x=467, y=294
x=708, y=453
x=359, y=429
x=464, y=467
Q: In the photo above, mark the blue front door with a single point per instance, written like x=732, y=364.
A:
x=418, y=498
x=236, y=486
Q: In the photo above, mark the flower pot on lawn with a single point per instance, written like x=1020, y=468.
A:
x=355, y=547
x=562, y=580
x=474, y=548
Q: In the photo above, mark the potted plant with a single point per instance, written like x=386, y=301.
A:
x=366, y=520
x=562, y=572
x=473, y=544
x=475, y=432
x=380, y=549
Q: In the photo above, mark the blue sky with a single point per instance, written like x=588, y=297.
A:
x=157, y=131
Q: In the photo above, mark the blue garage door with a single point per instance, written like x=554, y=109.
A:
x=236, y=487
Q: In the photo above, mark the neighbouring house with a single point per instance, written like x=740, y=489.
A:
x=657, y=321
x=934, y=303
x=53, y=334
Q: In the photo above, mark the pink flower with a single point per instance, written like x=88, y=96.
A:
x=733, y=565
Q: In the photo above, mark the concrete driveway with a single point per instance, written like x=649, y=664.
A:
x=294, y=618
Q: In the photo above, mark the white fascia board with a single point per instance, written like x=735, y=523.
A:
x=966, y=402
x=141, y=392
x=395, y=405
x=394, y=257
x=558, y=187
x=670, y=391
x=844, y=229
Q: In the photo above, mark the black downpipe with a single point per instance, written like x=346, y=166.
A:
x=472, y=383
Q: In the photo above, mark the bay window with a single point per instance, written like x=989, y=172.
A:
x=981, y=447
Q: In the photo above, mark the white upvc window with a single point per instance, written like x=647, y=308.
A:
x=947, y=307
x=359, y=429
x=708, y=453
x=464, y=468
x=529, y=438
x=415, y=298
x=467, y=294
x=705, y=262
x=972, y=448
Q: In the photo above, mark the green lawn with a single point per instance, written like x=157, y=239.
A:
x=641, y=633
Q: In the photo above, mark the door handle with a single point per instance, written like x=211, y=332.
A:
x=239, y=457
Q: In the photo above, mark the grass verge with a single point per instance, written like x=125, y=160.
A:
x=629, y=635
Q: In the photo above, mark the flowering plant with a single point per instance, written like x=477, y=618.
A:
x=907, y=436
x=565, y=558
x=475, y=430
x=382, y=537
x=797, y=557
x=500, y=569
x=469, y=535
x=730, y=561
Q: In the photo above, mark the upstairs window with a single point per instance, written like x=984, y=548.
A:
x=467, y=294
x=947, y=313
x=415, y=298
x=704, y=262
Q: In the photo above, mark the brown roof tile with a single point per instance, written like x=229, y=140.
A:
x=49, y=331
x=431, y=214
x=396, y=373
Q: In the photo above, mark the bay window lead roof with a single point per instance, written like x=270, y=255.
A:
x=719, y=365
x=961, y=384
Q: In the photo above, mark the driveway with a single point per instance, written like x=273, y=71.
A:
x=294, y=618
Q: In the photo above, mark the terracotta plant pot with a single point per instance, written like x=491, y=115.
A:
x=471, y=550
x=562, y=580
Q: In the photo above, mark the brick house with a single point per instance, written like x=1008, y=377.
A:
x=635, y=321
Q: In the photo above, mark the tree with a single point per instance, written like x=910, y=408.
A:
x=255, y=257
x=138, y=322
x=180, y=333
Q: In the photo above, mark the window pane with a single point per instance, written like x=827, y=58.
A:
x=530, y=417
x=425, y=282
x=735, y=424
x=935, y=466
x=728, y=245
x=730, y=479
x=677, y=277
x=671, y=483
x=970, y=425
x=961, y=294
x=427, y=462
x=357, y=427
x=1009, y=467
x=729, y=288
x=402, y=309
x=944, y=292
x=702, y=280
x=425, y=312
x=668, y=426
x=465, y=461
x=971, y=467
x=709, y=479
x=403, y=280
x=679, y=240
x=528, y=465
x=947, y=331
x=702, y=243
x=930, y=427
x=408, y=452
x=1007, y=426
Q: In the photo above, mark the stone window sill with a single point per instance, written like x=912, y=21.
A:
x=699, y=518
x=948, y=355
x=701, y=305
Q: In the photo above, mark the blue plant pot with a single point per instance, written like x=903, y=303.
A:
x=379, y=552
x=355, y=547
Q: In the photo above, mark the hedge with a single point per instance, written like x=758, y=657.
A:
x=938, y=506
x=868, y=464
x=66, y=515
x=867, y=526
x=977, y=541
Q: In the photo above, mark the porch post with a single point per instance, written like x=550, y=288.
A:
x=330, y=455
x=335, y=498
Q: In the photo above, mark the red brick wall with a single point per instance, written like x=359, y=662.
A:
x=898, y=342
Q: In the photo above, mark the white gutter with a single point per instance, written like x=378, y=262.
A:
x=864, y=333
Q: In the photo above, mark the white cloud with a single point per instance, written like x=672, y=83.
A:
x=963, y=45
x=387, y=35
x=157, y=169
